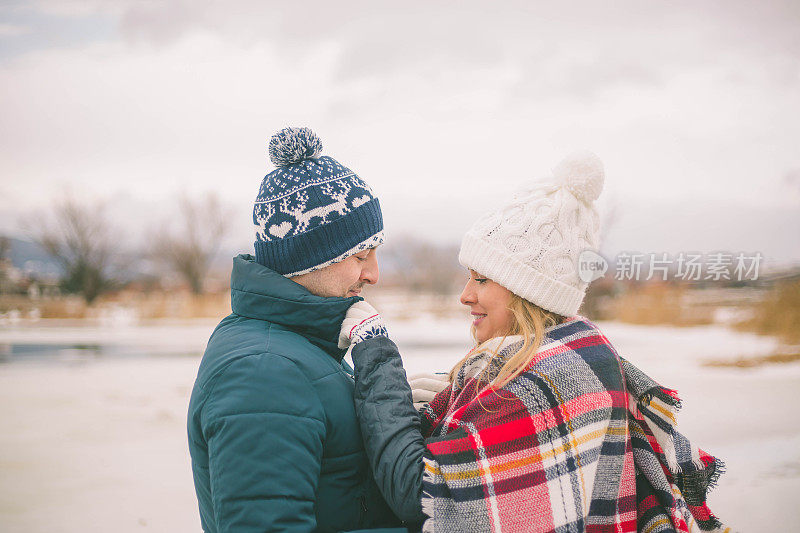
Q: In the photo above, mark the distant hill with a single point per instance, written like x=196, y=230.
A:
x=30, y=257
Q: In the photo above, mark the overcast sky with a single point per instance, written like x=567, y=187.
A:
x=443, y=107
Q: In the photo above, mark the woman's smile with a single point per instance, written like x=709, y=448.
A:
x=478, y=318
x=488, y=304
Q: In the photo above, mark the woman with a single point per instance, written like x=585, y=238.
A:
x=543, y=427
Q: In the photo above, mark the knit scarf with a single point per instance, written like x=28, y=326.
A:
x=580, y=441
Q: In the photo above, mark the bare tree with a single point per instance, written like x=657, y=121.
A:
x=78, y=237
x=425, y=267
x=5, y=248
x=189, y=250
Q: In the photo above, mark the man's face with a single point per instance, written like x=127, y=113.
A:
x=345, y=278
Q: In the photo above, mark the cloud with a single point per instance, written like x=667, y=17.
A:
x=284, y=25
x=13, y=30
x=792, y=180
x=440, y=109
x=28, y=27
x=77, y=8
x=584, y=79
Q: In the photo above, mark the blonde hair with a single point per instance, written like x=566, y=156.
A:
x=529, y=321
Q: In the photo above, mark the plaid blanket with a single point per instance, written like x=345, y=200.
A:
x=672, y=476
x=565, y=446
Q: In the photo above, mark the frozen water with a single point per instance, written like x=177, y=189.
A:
x=99, y=443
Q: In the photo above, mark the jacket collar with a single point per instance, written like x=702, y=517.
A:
x=260, y=293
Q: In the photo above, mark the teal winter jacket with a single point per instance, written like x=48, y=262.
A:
x=273, y=435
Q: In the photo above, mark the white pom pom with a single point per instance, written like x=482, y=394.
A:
x=293, y=145
x=581, y=174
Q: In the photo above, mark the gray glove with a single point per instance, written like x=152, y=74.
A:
x=361, y=322
x=425, y=386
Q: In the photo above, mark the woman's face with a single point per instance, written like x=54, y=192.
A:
x=488, y=303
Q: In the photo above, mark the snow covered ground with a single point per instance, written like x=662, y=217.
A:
x=93, y=420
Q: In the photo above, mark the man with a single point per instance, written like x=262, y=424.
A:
x=273, y=436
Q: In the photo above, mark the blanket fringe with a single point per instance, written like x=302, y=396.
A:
x=719, y=469
x=668, y=396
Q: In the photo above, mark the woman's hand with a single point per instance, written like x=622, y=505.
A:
x=425, y=386
x=361, y=322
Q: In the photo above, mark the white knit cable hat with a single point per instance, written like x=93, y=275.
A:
x=531, y=245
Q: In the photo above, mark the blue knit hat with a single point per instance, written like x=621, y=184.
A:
x=311, y=211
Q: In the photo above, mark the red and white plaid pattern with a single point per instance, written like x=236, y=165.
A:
x=549, y=451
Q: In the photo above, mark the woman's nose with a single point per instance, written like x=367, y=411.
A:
x=467, y=295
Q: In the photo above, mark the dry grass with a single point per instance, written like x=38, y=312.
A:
x=183, y=305
x=778, y=313
x=63, y=307
x=659, y=303
x=750, y=362
x=145, y=306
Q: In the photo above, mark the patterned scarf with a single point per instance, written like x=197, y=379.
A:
x=564, y=446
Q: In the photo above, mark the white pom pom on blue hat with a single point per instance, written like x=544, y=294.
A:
x=582, y=174
x=294, y=145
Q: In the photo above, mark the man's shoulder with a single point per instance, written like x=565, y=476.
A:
x=251, y=390
x=242, y=340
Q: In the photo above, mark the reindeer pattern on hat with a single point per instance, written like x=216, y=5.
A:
x=291, y=204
